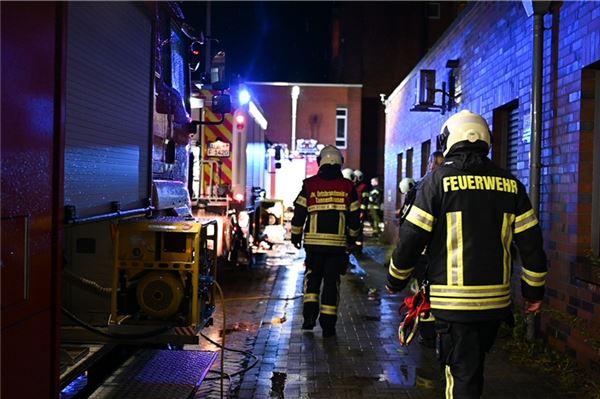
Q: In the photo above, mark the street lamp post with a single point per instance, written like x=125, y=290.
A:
x=295, y=93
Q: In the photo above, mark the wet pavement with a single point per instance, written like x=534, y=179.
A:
x=269, y=356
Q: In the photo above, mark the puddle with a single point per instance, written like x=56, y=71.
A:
x=277, y=385
x=403, y=375
x=241, y=326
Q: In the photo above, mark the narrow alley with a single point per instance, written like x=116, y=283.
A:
x=364, y=360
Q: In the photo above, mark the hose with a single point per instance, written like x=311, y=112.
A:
x=85, y=283
x=256, y=358
x=223, y=332
x=96, y=330
x=261, y=298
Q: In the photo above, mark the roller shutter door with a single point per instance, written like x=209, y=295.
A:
x=108, y=106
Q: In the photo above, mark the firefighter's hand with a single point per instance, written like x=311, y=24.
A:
x=532, y=307
x=297, y=240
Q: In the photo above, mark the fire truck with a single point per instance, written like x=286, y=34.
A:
x=106, y=260
x=229, y=167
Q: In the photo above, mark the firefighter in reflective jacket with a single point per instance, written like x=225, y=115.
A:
x=468, y=212
x=363, y=196
x=374, y=205
x=327, y=213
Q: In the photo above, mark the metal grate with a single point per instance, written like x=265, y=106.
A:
x=158, y=374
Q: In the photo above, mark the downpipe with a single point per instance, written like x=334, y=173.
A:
x=540, y=9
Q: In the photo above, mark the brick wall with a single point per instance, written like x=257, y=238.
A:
x=494, y=43
x=316, y=114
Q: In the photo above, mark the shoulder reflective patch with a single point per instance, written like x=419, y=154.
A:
x=525, y=221
x=534, y=279
x=355, y=206
x=419, y=217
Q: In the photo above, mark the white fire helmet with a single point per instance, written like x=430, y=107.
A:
x=358, y=175
x=465, y=126
x=330, y=155
x=348, y=174
x=406, y=184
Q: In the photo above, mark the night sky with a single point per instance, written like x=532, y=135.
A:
x=269, y=41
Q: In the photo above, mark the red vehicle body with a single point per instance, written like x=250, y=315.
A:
x=95, y=111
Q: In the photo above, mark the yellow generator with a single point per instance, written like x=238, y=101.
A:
x=163, y=274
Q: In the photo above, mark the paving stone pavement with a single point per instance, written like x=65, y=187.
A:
x=364, y=360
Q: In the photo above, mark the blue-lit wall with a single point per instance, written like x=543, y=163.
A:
x=493, y=42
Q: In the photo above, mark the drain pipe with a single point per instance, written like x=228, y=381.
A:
x=540, y=8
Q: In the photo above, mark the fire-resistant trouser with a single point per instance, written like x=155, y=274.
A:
x=375, y=219
x=461, y=350
x=326, y=269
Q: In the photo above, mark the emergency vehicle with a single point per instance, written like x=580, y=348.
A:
x=103, y=253
x=228, y=167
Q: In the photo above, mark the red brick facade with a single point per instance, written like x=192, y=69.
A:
x=493, y=42
x=316, y=113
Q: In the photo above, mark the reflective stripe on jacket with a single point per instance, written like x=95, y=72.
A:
x=327, y=212
x=469, y=221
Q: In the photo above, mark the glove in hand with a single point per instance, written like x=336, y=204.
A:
x=532, y=307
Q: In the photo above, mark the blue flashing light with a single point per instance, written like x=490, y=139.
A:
x=244, y=97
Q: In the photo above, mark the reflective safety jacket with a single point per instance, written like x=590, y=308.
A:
x=327, y=211
x=363, y=195
x=468, y=219
x=374, y=199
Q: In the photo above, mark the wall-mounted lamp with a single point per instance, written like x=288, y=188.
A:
x=426, y=90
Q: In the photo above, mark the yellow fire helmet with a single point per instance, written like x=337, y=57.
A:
x=330, y=155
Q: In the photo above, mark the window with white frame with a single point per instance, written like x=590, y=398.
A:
x=341, y=132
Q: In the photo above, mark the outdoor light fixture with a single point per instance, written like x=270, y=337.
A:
x=426, y=90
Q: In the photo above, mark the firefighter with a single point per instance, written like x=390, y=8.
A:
x=374, y=205
x=436, y=159
x=348, y=174
x=468, y=211
x=363, y=195
x=327, y=213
